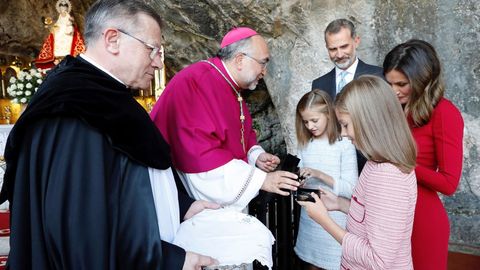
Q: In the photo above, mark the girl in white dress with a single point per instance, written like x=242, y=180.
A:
x=326, y=161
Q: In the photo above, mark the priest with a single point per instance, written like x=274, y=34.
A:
x=204, y=118
x=88, y=175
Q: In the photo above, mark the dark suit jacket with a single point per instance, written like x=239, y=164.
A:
x=328, y=84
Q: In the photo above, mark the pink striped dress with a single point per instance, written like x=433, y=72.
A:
x=380, y=219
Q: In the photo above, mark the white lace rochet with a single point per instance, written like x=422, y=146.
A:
x=231, y=237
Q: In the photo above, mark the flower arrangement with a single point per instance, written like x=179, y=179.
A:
x=22, y=88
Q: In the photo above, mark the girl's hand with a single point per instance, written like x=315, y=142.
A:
x=325, y=178
x=317, y=210
x=333, y=202
x=330, y=200
x=307, y=172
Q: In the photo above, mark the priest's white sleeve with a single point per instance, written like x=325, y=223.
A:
x=231, y=185
x=253, y=154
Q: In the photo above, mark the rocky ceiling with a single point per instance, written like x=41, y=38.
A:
x=195, y=25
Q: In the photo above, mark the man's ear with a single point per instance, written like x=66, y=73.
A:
x=238, y=61
x=111, y=40
x=356, y=40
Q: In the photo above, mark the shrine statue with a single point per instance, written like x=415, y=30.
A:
x=64, y=38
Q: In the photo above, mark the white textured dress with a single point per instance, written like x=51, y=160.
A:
x=314, y=245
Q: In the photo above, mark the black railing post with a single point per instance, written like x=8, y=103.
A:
x=281, y=215
x=285, y=233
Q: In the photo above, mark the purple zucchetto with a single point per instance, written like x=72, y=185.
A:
x=236, y=34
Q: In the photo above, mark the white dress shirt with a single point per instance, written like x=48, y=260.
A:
x=350, y=74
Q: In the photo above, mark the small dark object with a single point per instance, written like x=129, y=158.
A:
x=290, y=164
x=304, y=194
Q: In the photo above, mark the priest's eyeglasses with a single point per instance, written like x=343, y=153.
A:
x=156, y=51
x=262, y=63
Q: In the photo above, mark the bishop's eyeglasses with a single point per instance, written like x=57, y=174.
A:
x=262, y=63
x=156, y=51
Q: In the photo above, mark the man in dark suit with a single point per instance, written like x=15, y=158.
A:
x=342, y=41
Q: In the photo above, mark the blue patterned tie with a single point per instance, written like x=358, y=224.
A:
x=342, y=81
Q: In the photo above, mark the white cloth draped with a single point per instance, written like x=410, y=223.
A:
x=227, y=234
x=165, y=197
x=231, y=237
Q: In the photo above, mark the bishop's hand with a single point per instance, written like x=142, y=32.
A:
x=267, y=162
x=280, y=182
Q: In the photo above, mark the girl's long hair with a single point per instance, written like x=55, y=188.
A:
x=319, y=101
x=381, y=130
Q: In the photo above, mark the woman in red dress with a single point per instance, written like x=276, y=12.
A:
x=414, y=72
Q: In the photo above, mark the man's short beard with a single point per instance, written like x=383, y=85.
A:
x=252, y=86
x=344, y=65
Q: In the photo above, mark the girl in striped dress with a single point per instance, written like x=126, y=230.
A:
x=326, y=161
x=381, y=209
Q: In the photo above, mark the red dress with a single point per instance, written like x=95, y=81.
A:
x=439, y=167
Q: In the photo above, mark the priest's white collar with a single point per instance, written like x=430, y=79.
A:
x=230, y=75
x=91, y=61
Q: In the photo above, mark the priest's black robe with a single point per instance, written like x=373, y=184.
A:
x=77, y=178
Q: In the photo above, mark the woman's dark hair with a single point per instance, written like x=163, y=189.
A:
x=419, y=62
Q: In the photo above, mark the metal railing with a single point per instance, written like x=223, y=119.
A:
x=281, y=215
